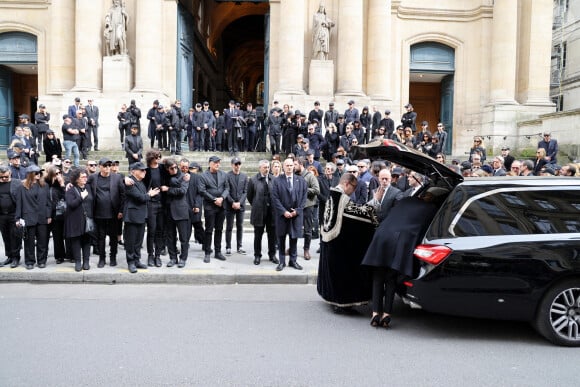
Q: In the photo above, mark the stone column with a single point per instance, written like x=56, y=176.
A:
x=350, y=47
x=89, y=24
x=148, y=45
x=62, y=45
x=379, y=50
x=504, y=52
x=538, y=45
x=291, y=41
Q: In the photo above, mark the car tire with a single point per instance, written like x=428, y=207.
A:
x=558, y=316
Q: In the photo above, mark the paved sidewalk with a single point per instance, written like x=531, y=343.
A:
x=236, y=269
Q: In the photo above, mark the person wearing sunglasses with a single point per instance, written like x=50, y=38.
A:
x=478, y=147
x=10, y=235
x=33, y=214
x=550, y=145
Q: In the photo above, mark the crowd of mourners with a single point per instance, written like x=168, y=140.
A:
x=79, y=206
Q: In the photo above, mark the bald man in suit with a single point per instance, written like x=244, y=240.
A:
x=385, y=196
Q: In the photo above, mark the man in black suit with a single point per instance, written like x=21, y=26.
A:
x=108, y=192
x=135, y=216
x=385, y=196
x=10, y=235
x=92, y=114
x=288, y=199
x=195, y=202
x=236, y=205
x=233, y=121
x=213, y=188
x=177, y=212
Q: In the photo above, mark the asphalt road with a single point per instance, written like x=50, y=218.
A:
x=254, y=335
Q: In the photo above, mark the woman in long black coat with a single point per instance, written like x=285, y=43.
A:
x=33, y=212
x=55, y=182
x=79, y=206
x=390, y=253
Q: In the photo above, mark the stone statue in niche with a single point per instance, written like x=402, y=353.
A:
x=116, y=21
x=321, y=34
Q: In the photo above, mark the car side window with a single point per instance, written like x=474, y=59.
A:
x=521, y=212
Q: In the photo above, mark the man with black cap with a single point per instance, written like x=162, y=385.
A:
x=388, y=124
x=208, y=123
x=108, y=192
x=151, y=131
x=316, y=113
x=133, y=145
x=507, y=158
x=25, y=123
x=214, y=189
x=351, y=114
x=16, y=169
x=235, y=204
x=195, y=202
x=162, y=125
x=92, y=114
x=331, y=115
x=408, y=119
x=41, y=118
x=135, y=215
x=177, y=212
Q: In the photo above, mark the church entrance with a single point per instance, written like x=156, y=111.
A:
x=18, y=80
x=223, y=55
x=431, y=85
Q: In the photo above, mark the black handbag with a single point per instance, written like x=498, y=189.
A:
x=89, y=225
x=60, y=207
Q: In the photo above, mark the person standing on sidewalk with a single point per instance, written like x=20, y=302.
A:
x=214, y=189
x=289, y=198
x=10, y=235
x=236, y=205
x=261, y=216
x=313, y=190
x=135, y=215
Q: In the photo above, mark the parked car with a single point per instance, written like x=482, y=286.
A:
x=499, y=247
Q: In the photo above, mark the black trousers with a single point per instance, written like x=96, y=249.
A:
x=56, y=227
x=271, y=233
x=198, y=232
x=80, y=246
x=175, y=140
x=133, y=236
x=239, y=218
x=275, y=143
x=175, y=227
x=214, y=219
x=308, y=219
x=384, y=286
x=161, y=136
x=106, y=227
x=292, y=248
x=198, y=139
x=155, y=221
x=11, y=236
x=36, y=238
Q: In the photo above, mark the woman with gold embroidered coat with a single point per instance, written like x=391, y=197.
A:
x=346, y=233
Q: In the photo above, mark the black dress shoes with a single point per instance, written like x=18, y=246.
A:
x=295, y=265
x=206, y=258
x=171, y=263
x=41, y=265
x=140, y=265
x=181, y=263
x=29, y=266
x=101, y=263
x=219, y=256
x=150, y=261
x=257, y=260
x=274, y=260
x=113, y=262
x=86, y=266
x=132, y=268
x=280, y=266
x=157, y=262
x=78, y=266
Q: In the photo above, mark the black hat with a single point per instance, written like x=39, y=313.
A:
x=49, y=131
x=194, y=164
x=331, y=104
x=214, y=159
x=340, y=162
x=351, y=102
x=156, y=102
x=11, y=154
x=408, y=106
x=33, y=168
x=206, y=103
x=424, y=123
x=138, y=165
x=23, y=116
x=77, y=99
x=316, y=103
x=236, y=160
x=105, y=160
x=232, y=102
x=397, y=171
x=159, y=107
x=18, y=145
x=505, y=148
x=41, y=106
x=387, y=112
x=197, y=105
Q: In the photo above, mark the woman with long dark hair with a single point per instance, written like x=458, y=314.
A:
x=79, y=208
x=34, y=211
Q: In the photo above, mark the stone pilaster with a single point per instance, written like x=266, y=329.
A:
x=379, y=50
x=62, y=46
x=504, y=52
x=149, y=43
x=350, y=47
x=89, y=22
x=291, y=46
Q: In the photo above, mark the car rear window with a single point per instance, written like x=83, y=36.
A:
x=518, y=211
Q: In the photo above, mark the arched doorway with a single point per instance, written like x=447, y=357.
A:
x=431, y=85
x=18, y=71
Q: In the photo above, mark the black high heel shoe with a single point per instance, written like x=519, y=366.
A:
x=385, y=321
x=375, y=321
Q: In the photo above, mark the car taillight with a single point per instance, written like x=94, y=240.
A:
x=433, y=254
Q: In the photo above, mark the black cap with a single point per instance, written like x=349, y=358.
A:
x=159, y=107
x=351, y=102
x=49, y=131
x=77, y=99
x=232, y=102
x=18, y=145
x=206, y=103
x=105, y=160
x=397, y=171
x=138, y=165
x=214, y=159
x=156, y=102
x=408, y=106
x=11, y=154
x=23, y=116
x=236, y=160
x=387, y=112
x=316, y=103
x=331, y=104
x=41, y=106
x=194, y=164
x=505, y=148
x=33, y=168
x=197, y=105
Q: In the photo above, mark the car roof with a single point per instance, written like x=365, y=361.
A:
x=407, y=157
x=538, y=181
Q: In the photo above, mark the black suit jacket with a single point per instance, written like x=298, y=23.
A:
x=33, y=205
x=117, y=191
x=135, y=210
x=393, y=194
x=92, y=114
x=194, y=199
x=237, y=192
x=284, y=199
x=209, y=190
x=176, y=199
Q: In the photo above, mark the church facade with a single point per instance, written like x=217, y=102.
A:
x=478, y=66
